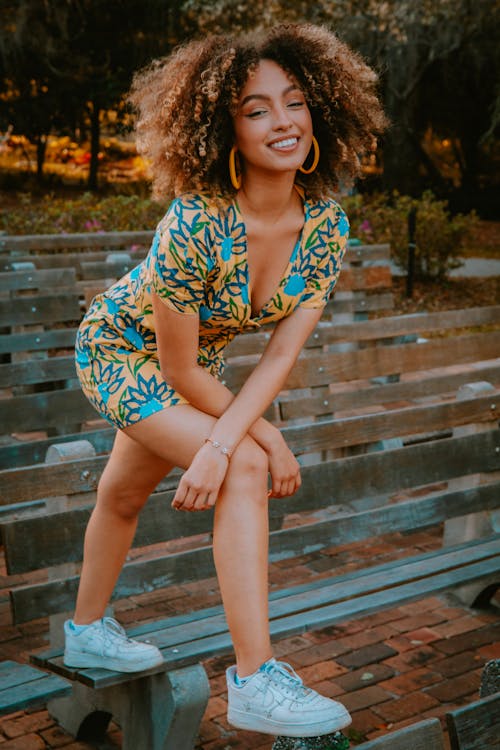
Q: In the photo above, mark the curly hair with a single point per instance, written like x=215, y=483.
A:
x=186, y=102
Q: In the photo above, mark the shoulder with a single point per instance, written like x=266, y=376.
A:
x=189, y=209
x=326, y=211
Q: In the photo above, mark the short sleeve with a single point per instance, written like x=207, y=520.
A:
x=179, y=261
x=327, y=245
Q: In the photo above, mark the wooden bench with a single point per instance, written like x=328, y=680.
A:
x=23, y=686
x=476, y=726
x=62, y=409
x=376, y=497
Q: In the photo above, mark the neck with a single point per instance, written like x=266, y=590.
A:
x=268, y=196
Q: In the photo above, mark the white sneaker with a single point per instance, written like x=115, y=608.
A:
x=274, y=700
x=105, y=644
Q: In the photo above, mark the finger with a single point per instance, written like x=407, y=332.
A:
x=189, y=499
x=212, y=499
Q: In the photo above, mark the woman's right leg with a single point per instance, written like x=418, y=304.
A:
x=130, y=476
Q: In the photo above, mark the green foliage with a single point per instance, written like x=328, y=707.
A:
x=440, y=236
x=86, y=214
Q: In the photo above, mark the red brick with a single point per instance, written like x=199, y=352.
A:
x=329, y=688
x=216, y=707
x=367, y=655
x=413, y=622
x=26, y=723
x=403, y=708
x=458, y=664
x=323, y=670
x=366, y=637
x=412, y=658
x=470, y=640
x=422, y=635
x=411, y=681
x=289, y=646
x=26, y=742
x=451, y=690
x=460, y=625
x=422, y=605
x=364, y=721
x=56, y=737
x=368, y=675
x=365, y=698
x=491, y=651
x=319, y=652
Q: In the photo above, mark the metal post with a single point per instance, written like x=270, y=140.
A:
x=412, y=225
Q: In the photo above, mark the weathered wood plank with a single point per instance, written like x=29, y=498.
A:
x=40, y=309
x=476, y=726
x=36, y=371
x=292, y=407
x=43, y=541
x=327, y=333
x=63, y=338
x=138, y=577
x=479, y=454
x=29, y=452
x=22, y=243
x=45, y=279
x=189, y=650
x=313, y=369
x=104, y=269
x=22, y=686
x=370, y=278
x=425, y=735
x=40, y=411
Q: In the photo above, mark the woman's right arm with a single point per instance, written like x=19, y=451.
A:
x=177, y=340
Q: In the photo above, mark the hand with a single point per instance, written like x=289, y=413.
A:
x=284, y=469
x=200, y=484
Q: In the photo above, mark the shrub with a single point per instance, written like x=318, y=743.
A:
x=440, y=236
x=88, y=213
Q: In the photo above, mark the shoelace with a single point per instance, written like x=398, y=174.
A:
x=285, y=675
x=112, y=629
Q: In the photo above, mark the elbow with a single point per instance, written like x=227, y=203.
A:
x=177, y=377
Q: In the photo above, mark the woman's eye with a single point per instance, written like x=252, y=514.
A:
x=256, y=113
x=296, y=104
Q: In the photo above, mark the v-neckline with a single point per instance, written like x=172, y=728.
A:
x=289, y=263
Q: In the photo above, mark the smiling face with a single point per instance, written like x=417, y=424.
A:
x=272, y=126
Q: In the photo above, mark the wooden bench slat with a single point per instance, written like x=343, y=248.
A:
x=22, y=686
x=425, y=735
x=476, y=726
x=37, y=279
x=29, y=452
x=185, y=651
x=43, y=541
x=35, y=482
x=137, y=577
x=40, y=309
x=32, y=342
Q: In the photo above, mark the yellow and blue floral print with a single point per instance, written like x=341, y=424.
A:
x=197, y=264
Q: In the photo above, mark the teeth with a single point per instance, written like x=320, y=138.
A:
x=285, y=143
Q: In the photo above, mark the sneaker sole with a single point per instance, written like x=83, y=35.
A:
x=243, y=720
x=85, y=661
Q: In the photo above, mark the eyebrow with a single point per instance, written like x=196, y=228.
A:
x=251, y=97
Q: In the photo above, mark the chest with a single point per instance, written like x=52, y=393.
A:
x=268, y=254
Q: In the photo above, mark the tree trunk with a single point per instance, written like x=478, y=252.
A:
x=95, y=131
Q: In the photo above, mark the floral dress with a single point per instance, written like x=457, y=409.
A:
x=197, y=263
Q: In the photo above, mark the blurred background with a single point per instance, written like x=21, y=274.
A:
x=67, y=156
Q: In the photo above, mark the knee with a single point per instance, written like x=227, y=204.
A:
x=249, y=462
x=123, y=500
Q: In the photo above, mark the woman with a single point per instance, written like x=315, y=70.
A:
x=252, y=135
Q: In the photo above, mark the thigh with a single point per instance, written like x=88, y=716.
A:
x=173, y=435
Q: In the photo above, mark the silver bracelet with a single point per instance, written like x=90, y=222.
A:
x=222, y=448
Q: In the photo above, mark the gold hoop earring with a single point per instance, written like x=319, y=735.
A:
x=313, y=166
x=235, y=179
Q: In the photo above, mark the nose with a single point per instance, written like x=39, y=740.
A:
x=281, y=120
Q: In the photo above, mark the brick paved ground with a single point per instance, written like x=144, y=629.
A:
x=390, y=669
